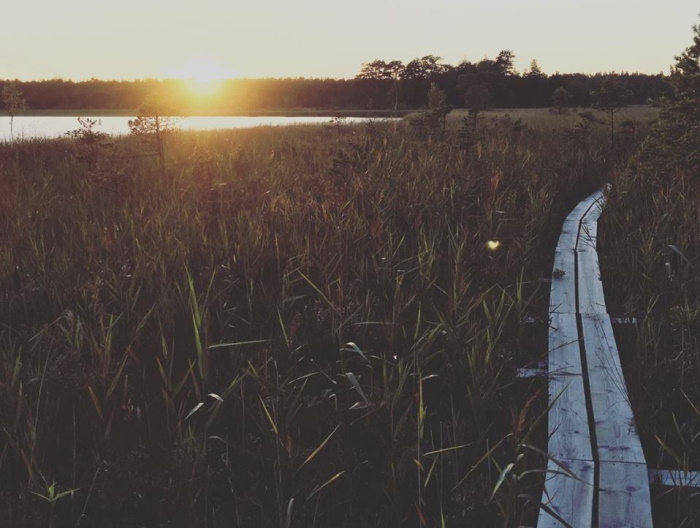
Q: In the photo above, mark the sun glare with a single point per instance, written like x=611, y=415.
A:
x=203, y=88
x=204, y=76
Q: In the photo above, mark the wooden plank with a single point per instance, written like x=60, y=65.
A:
x=570, y=227
x=584, y=205
x=588, y=229
x=564, y=351
x=591, y=298
x=589, y=221
x=588, y=232
x=624, y=500
x=569, y=435
x=597, y=202
x=531, y=373
x=616, y=432
x=624, y=321
x=675, y=478
x=570, y=498
x=623, y=495
x=562, y=296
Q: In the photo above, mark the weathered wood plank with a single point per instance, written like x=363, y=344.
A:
x=564, y=351
x=588, y=233
x=624, y=500
x=595, y=209
x=591, y=298
x=675, y=478
x=624, y=321
x=570, y=498
x=616, y=432
x=589, y=225
x=623, y=495
x=584, y=205
x=569, y=435
x=562, y=296
x=531, y=373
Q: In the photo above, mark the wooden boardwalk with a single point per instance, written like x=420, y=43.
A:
x=592, y=431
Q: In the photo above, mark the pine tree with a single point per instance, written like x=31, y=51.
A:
x=685, y=75
x=155, y=119
x=14, y=102
x=674, y=144
x=609, y=98
x=561, y=101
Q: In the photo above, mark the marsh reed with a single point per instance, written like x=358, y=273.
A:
x=297, y=327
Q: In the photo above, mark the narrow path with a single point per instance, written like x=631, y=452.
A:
x=592, y=433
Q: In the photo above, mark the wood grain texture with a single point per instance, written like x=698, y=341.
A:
x=624, y=500
x=616, y=432
x=562, y=296
x=570, y=498
x=591, y=298
x=569, y=435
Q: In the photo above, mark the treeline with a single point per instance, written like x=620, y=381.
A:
x=379, y=85
x=231, y=95
x=495, y=83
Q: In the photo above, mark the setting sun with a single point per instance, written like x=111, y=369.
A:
x=204, y=75
x=202, y=88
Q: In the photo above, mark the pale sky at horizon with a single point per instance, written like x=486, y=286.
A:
x=134, y=39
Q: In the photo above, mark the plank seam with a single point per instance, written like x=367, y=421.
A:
x=595, y=519
x=591, y=417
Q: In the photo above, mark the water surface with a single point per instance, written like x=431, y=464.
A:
x=30, y=127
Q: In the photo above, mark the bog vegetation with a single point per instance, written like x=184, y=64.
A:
x=300, y=326
x=652, y=272
x=321, y=326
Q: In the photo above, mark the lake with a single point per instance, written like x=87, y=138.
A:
x=30, y=127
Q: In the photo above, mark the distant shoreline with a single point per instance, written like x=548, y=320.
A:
x=310, y=112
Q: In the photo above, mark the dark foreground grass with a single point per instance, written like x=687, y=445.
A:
x=295, y=327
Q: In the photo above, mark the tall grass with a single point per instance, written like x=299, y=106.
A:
x=300, y=327
x=651, y=265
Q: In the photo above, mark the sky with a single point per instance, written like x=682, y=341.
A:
x=210, y=39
